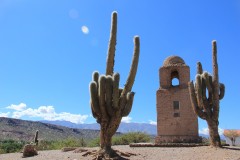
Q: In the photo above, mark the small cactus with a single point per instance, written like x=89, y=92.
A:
x=109, y=103
x=29, y=150
x=207, y=107
x=36, y=138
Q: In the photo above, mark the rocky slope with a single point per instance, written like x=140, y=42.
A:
x=25, y=130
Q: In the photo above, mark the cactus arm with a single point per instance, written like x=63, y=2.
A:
x=199, y=68
x=128, y=107
x=93, y=112
x=198, y=87
x=215, y=64
x=208, y=80
x=203, y=88
x=215, y=81
x=95, y=77
x=101, y=94
x=134, y=66
x=222, y=90
x=132, y=73
x=120, y=91
x=210, y=94
x=116, y=79
x=96, y=115
x=94, y=98
x=194, y=105
x=112, y=45
x=207, y=84
x=109, y=92
x=122, y=101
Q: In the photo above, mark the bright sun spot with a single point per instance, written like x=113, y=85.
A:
x=85, y=29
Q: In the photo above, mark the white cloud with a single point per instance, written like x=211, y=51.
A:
x=205, y=131
x=74, y=118
x=4, y=114
x=46, y=113
x=126, y=119
x=85, y=29
x=152, y=122
x=73, y=13
x=18, y=107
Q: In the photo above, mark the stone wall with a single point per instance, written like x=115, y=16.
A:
x=176, y=121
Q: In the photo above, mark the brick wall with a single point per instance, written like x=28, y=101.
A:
x=175, y=124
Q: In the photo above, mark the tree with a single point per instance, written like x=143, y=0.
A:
x=232, y=135
x=109, y=103
x=206, y=106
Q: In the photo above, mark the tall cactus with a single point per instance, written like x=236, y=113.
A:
x=206, y=106
x=109, y=103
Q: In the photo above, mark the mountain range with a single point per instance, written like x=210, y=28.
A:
x=123, y=128
x=147, y=128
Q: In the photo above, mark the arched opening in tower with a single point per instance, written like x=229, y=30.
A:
x=175, y=78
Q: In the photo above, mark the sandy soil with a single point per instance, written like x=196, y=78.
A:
x=148, y=153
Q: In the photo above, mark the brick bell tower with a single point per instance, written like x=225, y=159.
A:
x=176, y=121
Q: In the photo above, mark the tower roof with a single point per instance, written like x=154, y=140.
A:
x=173, y=61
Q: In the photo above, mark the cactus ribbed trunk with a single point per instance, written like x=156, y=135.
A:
x=109, y=103
x=207, y=107
x=105, y=140
x=106, y=132
x=213, y=133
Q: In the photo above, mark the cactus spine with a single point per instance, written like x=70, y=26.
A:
x=207, y=107
x=109, y=103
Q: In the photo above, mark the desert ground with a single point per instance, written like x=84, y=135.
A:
x=148, y=153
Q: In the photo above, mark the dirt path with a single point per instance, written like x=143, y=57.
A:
x=148, y=153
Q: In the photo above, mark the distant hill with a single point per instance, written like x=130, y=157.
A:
x=123, y=128
x=25, y=130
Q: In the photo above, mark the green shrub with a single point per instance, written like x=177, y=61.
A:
x=94, y=143
x=11, y=146
x=125, y=139
x=45, y=145
x=132, y=137
x=54, y=145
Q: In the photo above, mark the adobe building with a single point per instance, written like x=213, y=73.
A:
x=176, y=121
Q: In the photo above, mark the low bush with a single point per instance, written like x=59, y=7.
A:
x=132, y=137
x=94, y=143
x=11, y=146
x=125, y=139
x=54, y=145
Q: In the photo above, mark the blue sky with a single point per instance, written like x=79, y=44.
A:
x=49, y=49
